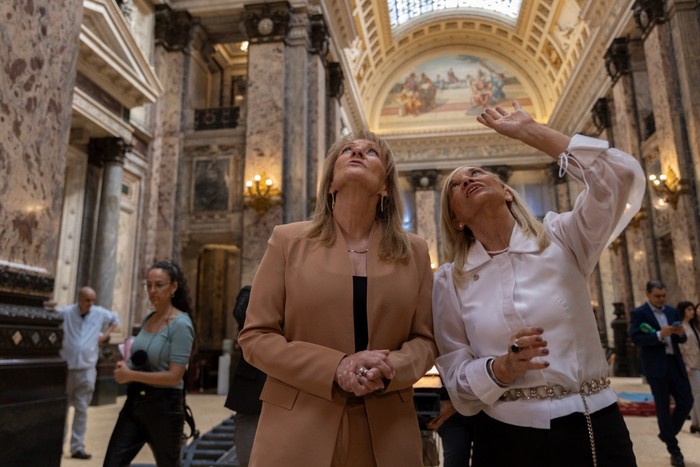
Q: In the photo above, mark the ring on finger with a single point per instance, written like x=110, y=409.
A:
x=514, y=347
x=362, y=371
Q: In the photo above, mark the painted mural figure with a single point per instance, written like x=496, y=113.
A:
x=482, y=92
x=452, y=77
x=427, y=92
x=410, y=101
x=442, y=90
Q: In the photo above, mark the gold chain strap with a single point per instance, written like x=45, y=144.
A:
x=589, y=425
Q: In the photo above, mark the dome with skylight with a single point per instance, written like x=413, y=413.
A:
x=402, y=11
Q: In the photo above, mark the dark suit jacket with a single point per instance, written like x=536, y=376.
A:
x=246, y=384
x=653, y=351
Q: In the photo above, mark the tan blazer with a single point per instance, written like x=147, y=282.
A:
x=300, y=326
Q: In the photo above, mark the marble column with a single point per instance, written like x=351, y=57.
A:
x=288, y=115
x=630, y=104
x=427, y=193
x=38, y=52
x=660, y=49
x=173, y=36
x=111, y=152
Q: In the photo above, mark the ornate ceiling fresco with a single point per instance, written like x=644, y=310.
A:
x=551, y=56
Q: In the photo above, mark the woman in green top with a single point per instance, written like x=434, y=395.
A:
x=154, y=409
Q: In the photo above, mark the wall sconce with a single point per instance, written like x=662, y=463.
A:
x=638, y=218
x=260, y=195
x=668, y=187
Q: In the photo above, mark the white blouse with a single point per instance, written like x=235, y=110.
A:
x=523, y=287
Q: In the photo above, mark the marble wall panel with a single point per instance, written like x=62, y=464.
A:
x=38, y=52
x=265, y=136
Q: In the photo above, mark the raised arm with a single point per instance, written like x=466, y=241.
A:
x=521, y=126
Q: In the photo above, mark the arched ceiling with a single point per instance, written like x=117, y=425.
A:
x=541, y=48
x=555, y=49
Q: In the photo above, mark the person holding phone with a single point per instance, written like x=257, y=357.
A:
x=656, y=328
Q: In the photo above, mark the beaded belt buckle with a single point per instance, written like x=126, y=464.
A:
x=555, y=391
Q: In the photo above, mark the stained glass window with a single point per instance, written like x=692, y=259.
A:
x=401, y=11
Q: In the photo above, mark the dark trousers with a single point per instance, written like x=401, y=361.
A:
x=675, y=384
x=150, y=415
x=457, y=434
x=498, y=444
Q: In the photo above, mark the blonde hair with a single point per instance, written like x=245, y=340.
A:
x=457, y=243
x=388, y=212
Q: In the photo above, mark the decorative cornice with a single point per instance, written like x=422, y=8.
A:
x=319, y=35
x=267, y=22
x=172, y=29
x=102, y=150
x=647, y=14
x=617, y=59
x=336, y=80
x=423, y=179
x=25, y=283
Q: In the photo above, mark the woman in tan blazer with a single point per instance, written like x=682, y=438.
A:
x=340, y=319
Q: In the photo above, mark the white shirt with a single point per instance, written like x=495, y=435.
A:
x=661, y=318
x=81, y=334
x=549, y=289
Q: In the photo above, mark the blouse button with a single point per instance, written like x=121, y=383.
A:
x=476, y=277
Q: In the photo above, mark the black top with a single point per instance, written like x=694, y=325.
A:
x=359, y=305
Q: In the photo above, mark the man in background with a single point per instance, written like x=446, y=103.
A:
x=244, y=390
x=657, y=330
x=86, y=326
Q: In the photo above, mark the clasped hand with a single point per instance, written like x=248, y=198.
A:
x=364, y=372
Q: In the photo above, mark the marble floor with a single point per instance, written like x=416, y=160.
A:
x=209, y=411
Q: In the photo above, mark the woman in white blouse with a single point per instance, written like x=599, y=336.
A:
x=512, y=315
x=691, y=356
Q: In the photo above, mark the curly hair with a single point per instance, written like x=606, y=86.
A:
x=181, y=298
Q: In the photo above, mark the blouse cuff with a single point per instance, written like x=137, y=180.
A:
x=483, y=386
x=585, y=150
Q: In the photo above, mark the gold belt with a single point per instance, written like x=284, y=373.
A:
x=555, y=391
